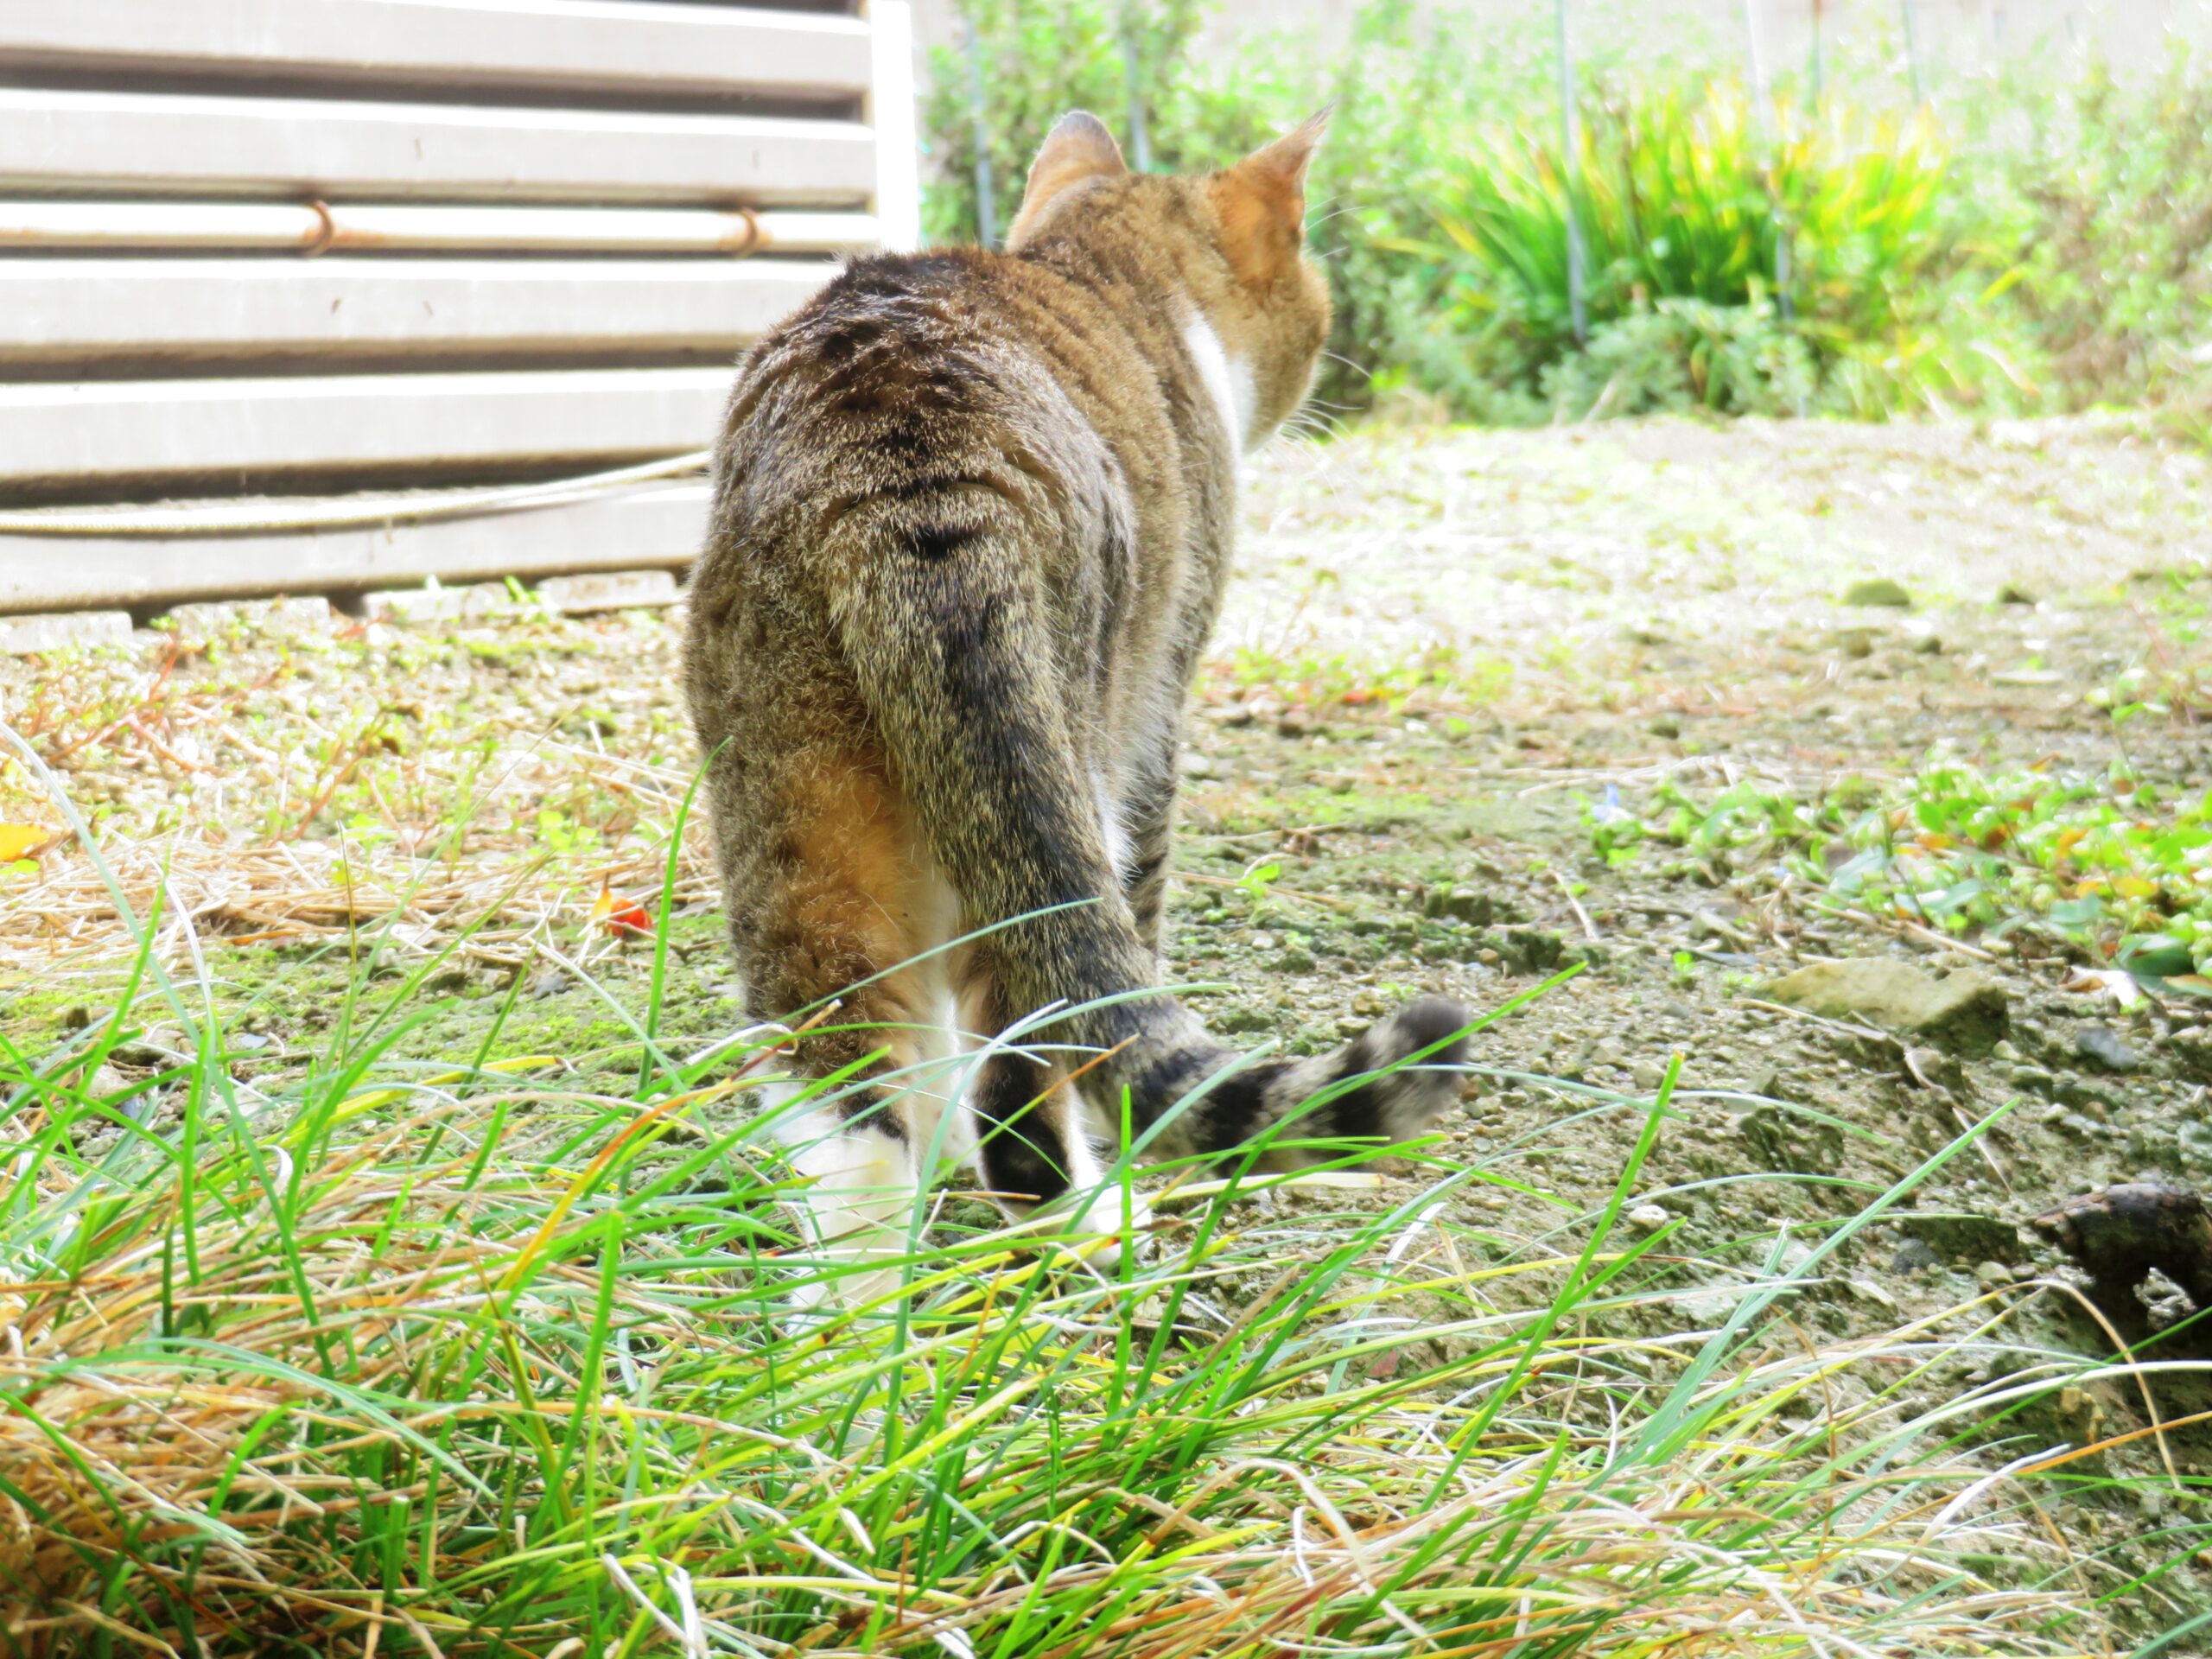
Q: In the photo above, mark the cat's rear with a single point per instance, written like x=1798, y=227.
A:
x=972, y=527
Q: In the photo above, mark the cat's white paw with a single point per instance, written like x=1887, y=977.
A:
x=1113, y=1221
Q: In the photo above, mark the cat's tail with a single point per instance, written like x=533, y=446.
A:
x=965, y=673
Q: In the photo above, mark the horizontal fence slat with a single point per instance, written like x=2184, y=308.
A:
x=105, y=432
x=551, y=44
x=201, y=226
x=145, y=143
x=661, y=527
x=64, y=311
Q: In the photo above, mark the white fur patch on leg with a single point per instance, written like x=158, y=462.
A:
x=1120, y=852
x=854, y=1209
x=1108, y=1208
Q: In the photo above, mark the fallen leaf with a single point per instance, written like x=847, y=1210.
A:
x=2113, y=982
x=620, y=915
x=22, y=840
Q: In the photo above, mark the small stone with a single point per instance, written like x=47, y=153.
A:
x=1879, y=591
x=1928, y=644
x=1648, y=1076
x=2077, y=1414
x=552, y=982
x=1461, y=904
x=1242, y=1019
x=25, y=636
x=2165, y=1303
x=1932, y=1069
x=1191, y=764
x=608, y=590
x=1295, y=961
x=1914, y=1255
x=2104, y=1047
x=476, y=602
x=1648, y=1217
x=1866, y=1290
x=1350, y=1025
x=2033, y=1078
x=2012, y=593
x=273, y=618
x=1669, y=726
x=1994, y=1276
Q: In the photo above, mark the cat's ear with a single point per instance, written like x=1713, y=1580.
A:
x=1262, y=202
x=1076, y=151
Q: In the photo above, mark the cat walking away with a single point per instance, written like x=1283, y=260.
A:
x=972, y=525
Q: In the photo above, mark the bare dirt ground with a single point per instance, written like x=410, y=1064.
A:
x=1446, y=658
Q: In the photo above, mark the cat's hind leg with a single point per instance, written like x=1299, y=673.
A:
x=1036, y=1144
x=835, y=907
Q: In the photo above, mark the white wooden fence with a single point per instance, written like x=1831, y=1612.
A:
x=330, y=262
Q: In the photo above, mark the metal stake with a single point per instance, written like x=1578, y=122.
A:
x=1133, y=74
x=986, y=212
x=1578, y=308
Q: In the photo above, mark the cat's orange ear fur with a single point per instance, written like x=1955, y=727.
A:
x=1076, y=150
x=1261, y=203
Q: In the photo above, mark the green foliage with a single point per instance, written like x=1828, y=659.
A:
x=2109, y=865
x=2110, y=188
x=2032, y=246
x=1039, y=59
x=1434, y=676
x=2101, y=865
x=1683, y=200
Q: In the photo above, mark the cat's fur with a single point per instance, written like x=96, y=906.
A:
x=971, y=530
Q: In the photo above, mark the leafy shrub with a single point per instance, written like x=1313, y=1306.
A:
x=1684, y=204
x=2115, y=231
x=2036, y=246
x=1039, y=59
x=1400, y=91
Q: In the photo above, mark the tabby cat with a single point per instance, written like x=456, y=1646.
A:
x=971, y=528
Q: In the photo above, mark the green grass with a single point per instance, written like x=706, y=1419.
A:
x=1436, y=677
x=467, y=1359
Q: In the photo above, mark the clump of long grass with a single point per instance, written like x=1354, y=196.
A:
x=372, y=1361
x=1688, y=194
x=1747, y=256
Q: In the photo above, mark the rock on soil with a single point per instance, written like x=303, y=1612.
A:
x=2106, y=1048
x=1879, y=591
x=1965, y=1009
